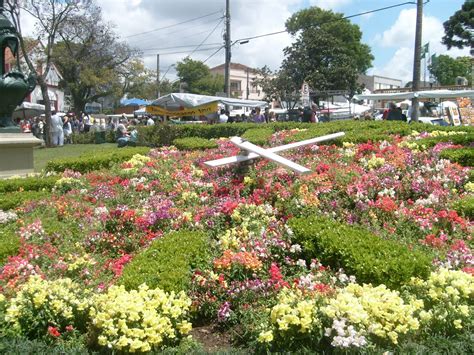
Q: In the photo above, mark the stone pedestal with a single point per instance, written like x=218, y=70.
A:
x=16, y=153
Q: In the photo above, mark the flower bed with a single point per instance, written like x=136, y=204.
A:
x=255, y=265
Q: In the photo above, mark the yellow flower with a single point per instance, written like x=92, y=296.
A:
x=457, y=324
x=265, y=337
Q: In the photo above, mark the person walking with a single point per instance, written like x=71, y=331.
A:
x=314, y=115
x=57, y=133
x=67, y=130
x=258, y=117
x=223, y=117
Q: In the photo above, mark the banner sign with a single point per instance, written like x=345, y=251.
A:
x=185, y=111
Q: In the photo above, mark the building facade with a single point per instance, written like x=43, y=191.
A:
x=241, y=81
x=377, y=82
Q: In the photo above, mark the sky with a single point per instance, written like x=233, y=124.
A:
x=153, y=26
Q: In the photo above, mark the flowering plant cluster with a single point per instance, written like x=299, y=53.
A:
x=448, y=296
x=295, y=316
x=48, y=308
x=67, y=183
x=7, y=216
x=139, y=320
x=258, y=279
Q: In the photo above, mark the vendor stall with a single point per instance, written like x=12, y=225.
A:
x=183, y=104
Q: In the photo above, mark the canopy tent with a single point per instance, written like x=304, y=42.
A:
x=178, y=100
x=28, y=110
x=183, y=104
x=428, y=94
x=134, y=102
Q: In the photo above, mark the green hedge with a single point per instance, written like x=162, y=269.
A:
x=356, y=131
x=34, y=183
x=97, y=161
x=259, y=136
x=194, y=143
x=9, y=241
x=465, y=207
x=14, y=199
x=462, y=139
x=168, y=262
x=462, y=156
x=359, y=252
x=89, y=137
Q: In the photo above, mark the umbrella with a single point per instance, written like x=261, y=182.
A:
x=28, y=110
x=134, y=102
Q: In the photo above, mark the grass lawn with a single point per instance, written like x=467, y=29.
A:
x=43, y=155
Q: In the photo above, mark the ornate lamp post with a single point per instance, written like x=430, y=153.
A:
x=16, y=149
x=14, y=86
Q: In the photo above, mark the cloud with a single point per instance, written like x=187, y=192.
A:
x=330, y=4
x=248, y=18
x=401, y=37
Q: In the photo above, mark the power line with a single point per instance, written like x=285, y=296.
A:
x=176, y=24
x=213, y=54
x=145, y=40
x=183, y=46
x=342, y=18
x=167, y=53
x=205, y=39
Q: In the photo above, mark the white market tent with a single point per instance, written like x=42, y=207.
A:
x=28, y=110
x=178, y=100
x=428, y=94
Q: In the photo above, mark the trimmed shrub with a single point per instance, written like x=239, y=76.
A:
x=258, y=136
x=168, y=262
x=194, y=143
x=34, y=183
x=462, y=156
x=361, y=253
x=465, y=207
x=356, y=131
x=99, y=160
x=89, y=137
x=462, y=139
x=9, y=241
x=15, y=199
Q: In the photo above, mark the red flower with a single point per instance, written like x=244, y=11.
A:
x=69, y=328
x=469, y=270
x=54, y=332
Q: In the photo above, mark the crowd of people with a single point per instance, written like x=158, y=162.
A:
x=307, y=114
x=64, y=125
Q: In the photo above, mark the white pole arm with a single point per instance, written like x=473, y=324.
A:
x=239, y=142
x=242, y=158
x=306, y=142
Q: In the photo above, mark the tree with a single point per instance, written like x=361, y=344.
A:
x=198, y=78
x=50, y=16
x=278, y=86
x=459, y=28
x=327, y=53
x=92, y=61
x=445, y=69
x=138, y=81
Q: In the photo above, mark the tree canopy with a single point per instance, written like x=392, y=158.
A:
x=278, y=86
x=459, y=28
x=445, y=69
x=91, y=59
x=197, y=77
x=327, y=53
x=50, y=16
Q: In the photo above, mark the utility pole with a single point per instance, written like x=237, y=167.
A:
x=248, y=84
x=227, y=49
x=417, y=59
x=158, y=75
